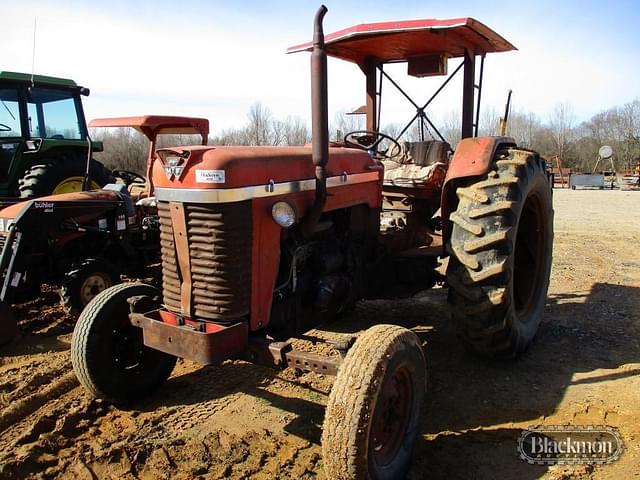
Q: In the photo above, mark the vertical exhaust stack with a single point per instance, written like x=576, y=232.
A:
x=319, y=122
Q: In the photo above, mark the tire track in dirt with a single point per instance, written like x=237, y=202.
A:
x=28, y=375
x=176, y=434
x=20, y=409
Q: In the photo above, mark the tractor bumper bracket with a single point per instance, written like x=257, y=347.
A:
x=210, y=345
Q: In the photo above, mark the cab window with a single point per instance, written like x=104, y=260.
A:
x=53, y=114
x=9, y=113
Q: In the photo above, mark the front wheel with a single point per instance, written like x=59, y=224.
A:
x=374, y=409
x=501, y=247
x=85, y=281
x=108, y=353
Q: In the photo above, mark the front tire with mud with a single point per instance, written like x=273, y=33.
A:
x=501, y=248
x=108, y=353
x=374, y=409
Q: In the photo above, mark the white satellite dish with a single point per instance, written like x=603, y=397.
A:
x=605, y=152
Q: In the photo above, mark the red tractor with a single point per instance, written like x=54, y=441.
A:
x=260, y=244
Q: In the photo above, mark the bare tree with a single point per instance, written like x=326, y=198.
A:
x=577, y=145
x=295, y=131
x=263, y=129
x=561, y=124
x=489, y=122
x=528, y=131
x=630, y=150
x=124, y=148
x=127, y=149
x=392, y=129
x=344, y=123
x=231, y=136
x=276, y=133
x=618, y=127
x=452, y=127
x=259, y=128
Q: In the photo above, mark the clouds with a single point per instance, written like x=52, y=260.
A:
x=215, y=59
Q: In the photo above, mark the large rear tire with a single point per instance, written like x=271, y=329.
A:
x=63, y=173
x=501, y=248
x=374, y=409
x=108, y=353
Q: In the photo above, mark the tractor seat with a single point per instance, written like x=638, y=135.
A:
x=419, y=165
x=124, y=195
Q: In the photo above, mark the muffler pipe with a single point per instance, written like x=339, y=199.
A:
x=319, y=122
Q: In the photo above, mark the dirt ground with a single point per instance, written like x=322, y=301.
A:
x=243, y=421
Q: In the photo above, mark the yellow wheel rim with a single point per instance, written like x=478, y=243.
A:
x=73, y=184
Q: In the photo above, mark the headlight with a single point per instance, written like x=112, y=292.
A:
x=283, y=214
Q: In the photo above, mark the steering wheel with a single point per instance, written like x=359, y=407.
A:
x=5, y=128
x=129, y=177
x=372, y=142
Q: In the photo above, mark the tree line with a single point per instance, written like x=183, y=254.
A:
x=576, y=144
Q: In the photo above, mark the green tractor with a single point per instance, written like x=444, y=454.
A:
x=44, y=141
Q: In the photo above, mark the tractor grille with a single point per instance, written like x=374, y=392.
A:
x=219, y=239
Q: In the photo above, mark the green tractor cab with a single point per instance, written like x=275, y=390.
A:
x=44, y=143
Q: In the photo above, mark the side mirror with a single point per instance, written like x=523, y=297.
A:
x=84, y=91
x=97, y=146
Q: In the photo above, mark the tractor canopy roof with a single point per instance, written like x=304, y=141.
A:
x=40, y=80
x=153, y=125
x=388, y=42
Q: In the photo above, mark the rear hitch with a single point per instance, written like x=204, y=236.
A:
x=281, y=355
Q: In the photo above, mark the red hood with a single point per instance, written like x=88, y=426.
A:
x=250, y=166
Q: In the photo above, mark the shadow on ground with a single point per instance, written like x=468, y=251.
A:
x=468, y=429
x=476, y=408
x=473, y=403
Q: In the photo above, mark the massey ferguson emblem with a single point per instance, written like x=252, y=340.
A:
x=173, y=167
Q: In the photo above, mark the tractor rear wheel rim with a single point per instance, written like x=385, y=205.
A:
x=72, y=184
x=530, y=255
x=93, y=285
x=391, y=416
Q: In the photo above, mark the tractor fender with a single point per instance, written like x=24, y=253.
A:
x=68, y=202
x=36, y=218
x=472, y=158
x=38, y=215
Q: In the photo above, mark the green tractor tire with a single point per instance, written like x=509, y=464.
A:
x=63, y=173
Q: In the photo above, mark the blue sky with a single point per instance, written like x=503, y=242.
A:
x=214, y=58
